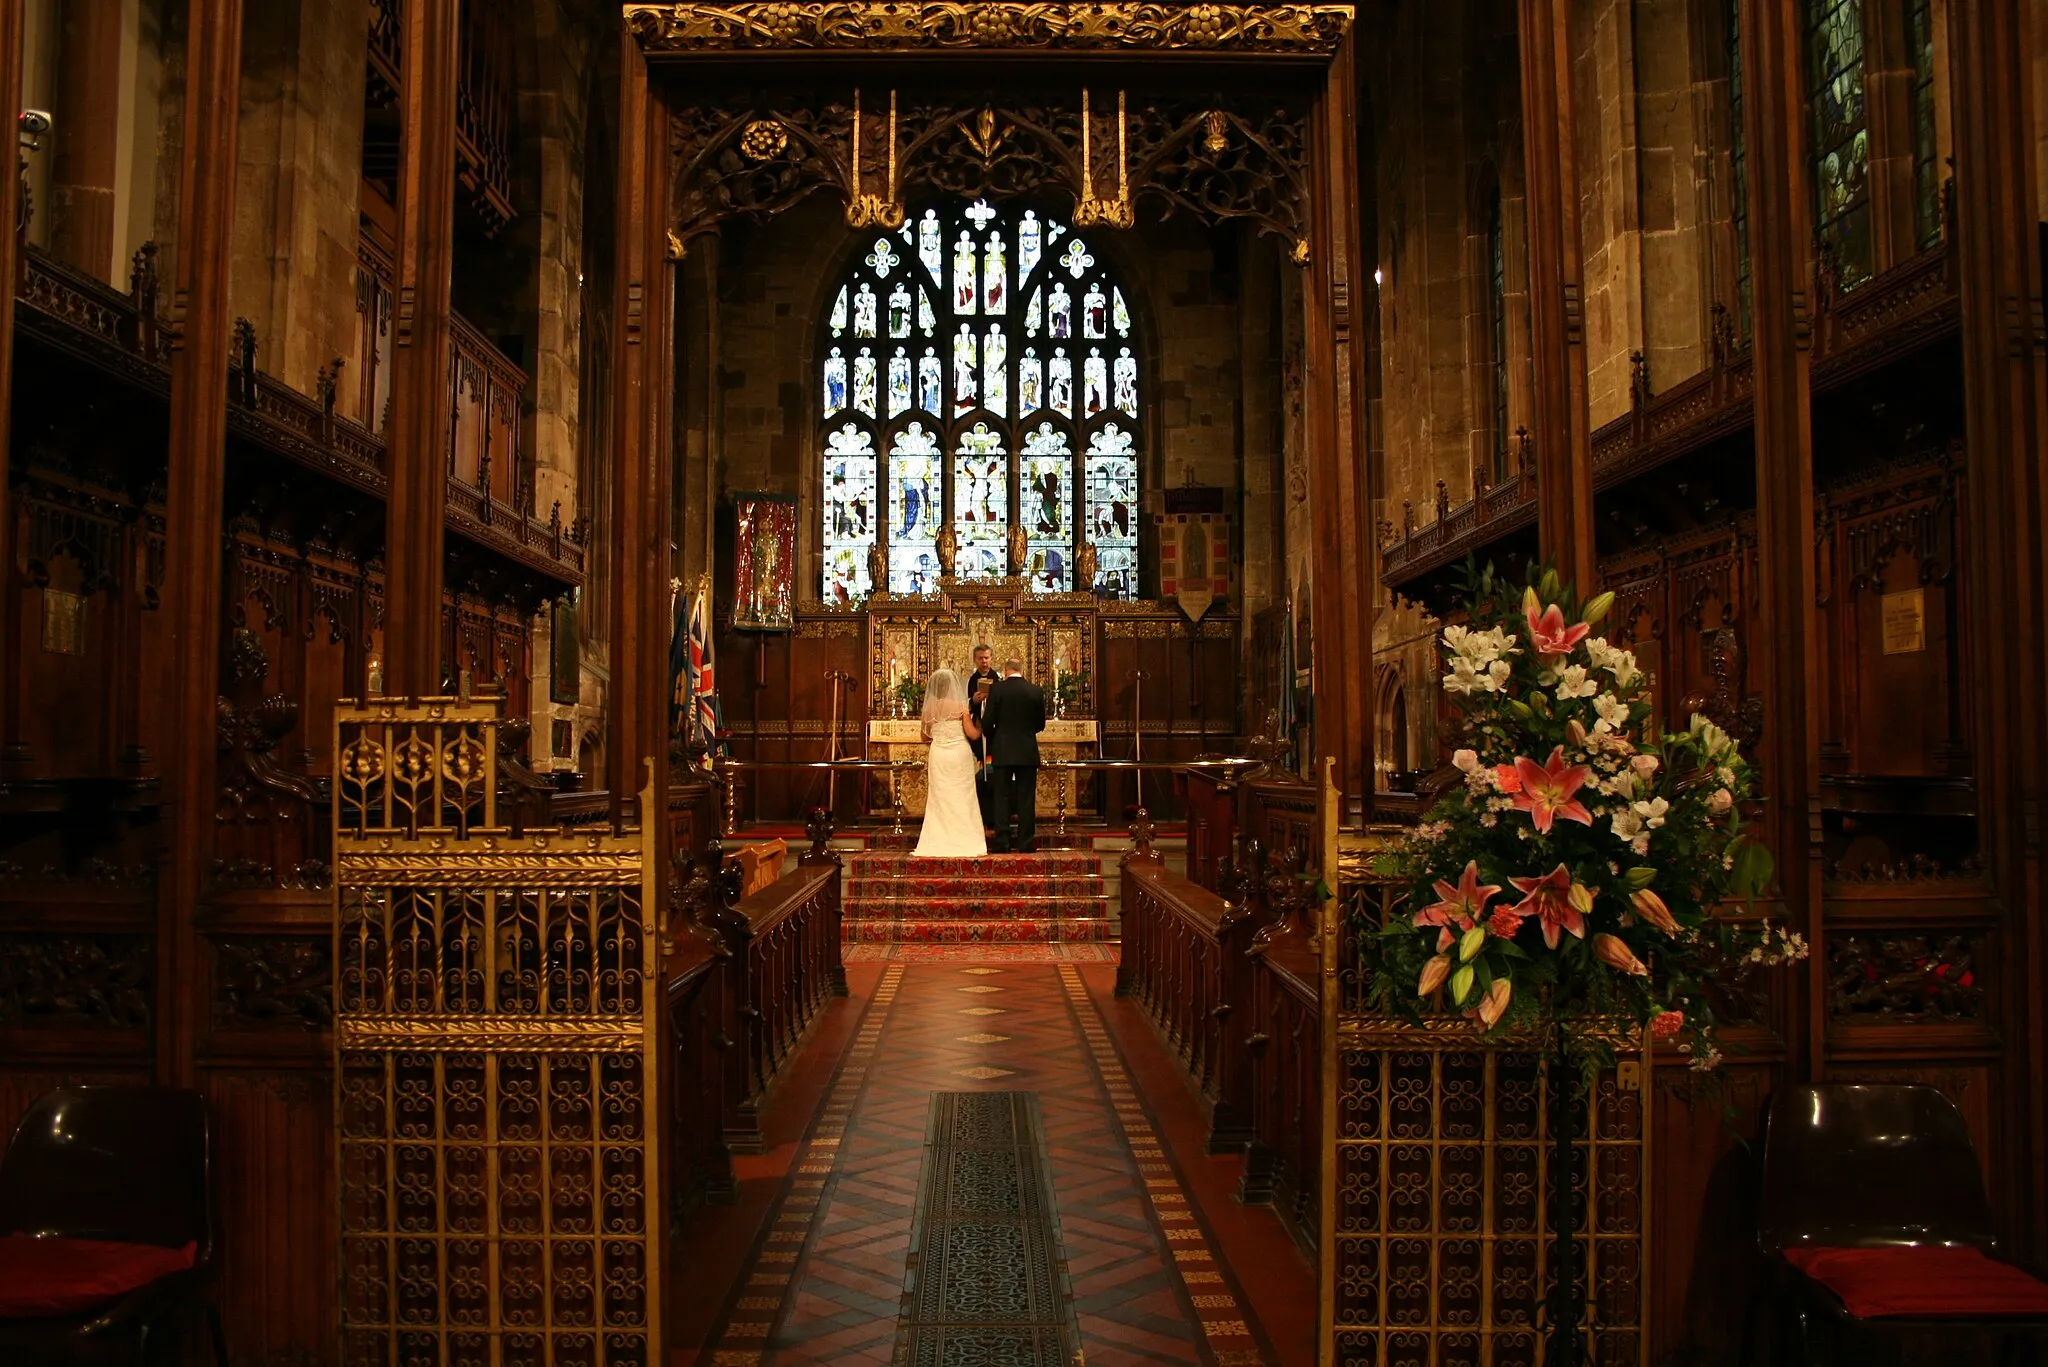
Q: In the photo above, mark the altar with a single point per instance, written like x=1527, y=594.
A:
x=1058, y=789
x=1056, y=637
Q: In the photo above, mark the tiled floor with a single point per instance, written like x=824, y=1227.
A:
x=1165, y=1266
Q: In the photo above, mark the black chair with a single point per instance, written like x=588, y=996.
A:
x=121, y=1165
x=1889, y=1169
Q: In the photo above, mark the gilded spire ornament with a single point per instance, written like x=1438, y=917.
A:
x=865, y=210
x=1089, y=211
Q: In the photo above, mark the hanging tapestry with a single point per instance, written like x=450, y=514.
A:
x=1194, y=559
x=764, y=562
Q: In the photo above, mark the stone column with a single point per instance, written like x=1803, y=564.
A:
x=422, y=399
x=1558, y=421
x=2005, y=410
x=1345, y=558
x=85, y=159
x=643, y=460
x=1785, y=633
x=193, y=514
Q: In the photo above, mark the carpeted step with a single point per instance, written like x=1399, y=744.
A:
x=955, y=887
x=973, y=908
x=1043, y=864
x=947, y=931
x=1074, y=840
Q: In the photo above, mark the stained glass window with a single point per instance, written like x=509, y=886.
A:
x=1112, y=510
x=915, y=481
x=1841, y=135
x=1926, y=157
x=983, y=364
x=1045, y=509
x=849, y=498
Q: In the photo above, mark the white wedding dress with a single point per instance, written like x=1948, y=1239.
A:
x=952, y=814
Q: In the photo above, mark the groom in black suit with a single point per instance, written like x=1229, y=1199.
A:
x=1012, y=718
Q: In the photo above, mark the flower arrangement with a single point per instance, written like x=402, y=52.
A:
x=909, y=694
x=1574, y=879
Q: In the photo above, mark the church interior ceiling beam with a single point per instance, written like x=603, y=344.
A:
x=1021, y=26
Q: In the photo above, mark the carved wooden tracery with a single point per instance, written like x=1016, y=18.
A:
x=1246, y=161
x=1013, y=25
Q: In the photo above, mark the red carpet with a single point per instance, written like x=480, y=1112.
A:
x=1054, y=897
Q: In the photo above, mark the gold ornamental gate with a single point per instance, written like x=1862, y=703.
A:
x=1437, y=1243
x=495, y=1018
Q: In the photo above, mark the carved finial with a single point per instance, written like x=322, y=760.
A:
x=819, y=829
x=1443, y=502
x=1638, y=379
x=1141, y=832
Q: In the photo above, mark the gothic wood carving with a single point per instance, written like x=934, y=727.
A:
x=1246, y=162
x=989, y=25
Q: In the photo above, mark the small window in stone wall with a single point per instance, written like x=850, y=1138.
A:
x=980, y=398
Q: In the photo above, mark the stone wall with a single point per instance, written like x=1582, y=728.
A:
x=299, y=153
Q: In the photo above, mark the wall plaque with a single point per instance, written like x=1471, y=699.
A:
x=1904, y=621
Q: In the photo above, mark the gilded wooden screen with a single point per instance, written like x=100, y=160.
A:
x=1437, y=1235
x=495, y=1082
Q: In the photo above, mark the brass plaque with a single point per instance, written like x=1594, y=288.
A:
x=63, y=622
x=1904, y=619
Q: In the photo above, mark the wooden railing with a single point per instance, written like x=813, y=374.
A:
x=1184, y=963
x=1283, y=1039
x=1229, y=977
x=784, y=966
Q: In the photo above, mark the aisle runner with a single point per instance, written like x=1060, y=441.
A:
x=987, y=1279
x=764, y=1300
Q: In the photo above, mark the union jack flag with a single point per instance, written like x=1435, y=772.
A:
x=696, y=679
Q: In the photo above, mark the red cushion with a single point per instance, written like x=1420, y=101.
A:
x=1930, y=1281
x=63, y=1276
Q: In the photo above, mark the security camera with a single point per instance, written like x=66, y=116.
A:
x=34, y=124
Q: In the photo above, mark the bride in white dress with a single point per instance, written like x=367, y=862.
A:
x=952, y=815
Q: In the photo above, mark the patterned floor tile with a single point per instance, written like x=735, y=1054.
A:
x=1148, y=1283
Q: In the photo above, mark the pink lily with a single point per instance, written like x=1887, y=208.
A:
x=1613, y=951
x=1547, y=630
x=1433, y=974
x=1495, y=1004
x=1651, y=908
x=1550, y=897
x=1546, y=790
x=1460, y=906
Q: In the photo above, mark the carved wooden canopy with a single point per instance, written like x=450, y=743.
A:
x=750, y=154
x=993, y=26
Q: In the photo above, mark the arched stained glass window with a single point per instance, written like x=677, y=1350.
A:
x=979, y=368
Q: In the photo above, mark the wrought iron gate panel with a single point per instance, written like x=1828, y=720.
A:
x=495, y=1072
x=1436, y=1235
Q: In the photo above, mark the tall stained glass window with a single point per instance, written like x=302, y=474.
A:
x=1926, y=153
x=1841, y=135
x=982, y=363
x=850, y=511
